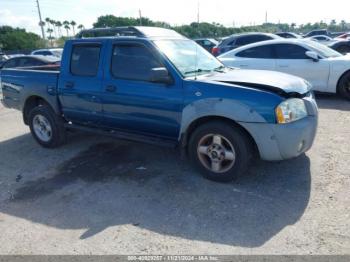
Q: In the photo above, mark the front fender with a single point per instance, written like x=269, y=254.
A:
x=221, y=107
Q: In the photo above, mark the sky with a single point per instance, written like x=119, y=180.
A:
x=23, y=13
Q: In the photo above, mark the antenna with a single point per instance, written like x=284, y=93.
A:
x=41, y=23
x=196, y=59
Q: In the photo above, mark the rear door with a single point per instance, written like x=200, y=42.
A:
x=80, y=82
x=260, y=57
x=131, y=102
x=291, y=59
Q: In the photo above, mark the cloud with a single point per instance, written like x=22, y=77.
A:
x=7, y=17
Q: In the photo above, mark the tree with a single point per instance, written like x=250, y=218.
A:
x=50, y=31
x=18, y=39
x=73, y=24
x=66, y=26
x=53, y=24
x=81, y=27
x=59, y=25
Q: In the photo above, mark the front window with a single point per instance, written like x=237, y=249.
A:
x=188, y=57
x=323, y=50
x=133, y=62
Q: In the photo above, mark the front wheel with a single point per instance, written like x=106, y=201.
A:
x=344, y=86
x=46, y=127
x=220, y=151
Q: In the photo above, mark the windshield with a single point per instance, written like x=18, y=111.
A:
x=323, y=50
x=188, y=57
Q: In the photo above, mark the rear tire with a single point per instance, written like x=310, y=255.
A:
x=47, y=127
x=344, y=86
x=220, y=151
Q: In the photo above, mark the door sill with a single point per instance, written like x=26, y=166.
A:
x=125, y=136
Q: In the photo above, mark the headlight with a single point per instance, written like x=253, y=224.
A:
x=291, y=110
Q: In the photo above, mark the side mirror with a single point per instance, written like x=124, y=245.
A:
x=160, y=75
x=312, y=55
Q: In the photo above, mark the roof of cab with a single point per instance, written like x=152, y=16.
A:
x=129, y=31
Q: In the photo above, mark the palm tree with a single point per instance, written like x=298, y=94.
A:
x=81, y=27
x=53, y=23
x=73, y=24
x=66, y=26
x=59, y=25
x=50, y=31
x=48, y=21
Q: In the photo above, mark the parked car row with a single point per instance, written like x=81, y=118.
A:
x=340, y=43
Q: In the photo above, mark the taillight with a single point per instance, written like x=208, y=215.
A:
x=215, y=51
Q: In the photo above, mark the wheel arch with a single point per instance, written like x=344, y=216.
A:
x=185, y=137
x=338, y=82
x=32, y=102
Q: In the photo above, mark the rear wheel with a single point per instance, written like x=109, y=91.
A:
x=220, y=151
x=344, y=86
x=46, y=127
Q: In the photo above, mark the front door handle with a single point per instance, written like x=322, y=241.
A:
x=111, y=88
x=284, y=66
x=69, y=85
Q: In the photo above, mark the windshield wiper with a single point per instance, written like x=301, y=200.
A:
x=199, y=70
x=220, y=69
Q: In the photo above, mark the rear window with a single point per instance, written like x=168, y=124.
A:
x=10, y=63
x=85, y=60
x=245, y=40
x=45, y=53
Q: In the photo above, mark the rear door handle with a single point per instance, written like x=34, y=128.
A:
x=284, y=66
x=69, y=85
x=111, y=88
x=243, y=65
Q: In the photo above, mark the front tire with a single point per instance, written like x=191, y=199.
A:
x=46, y=127
x=344, y=86
x=220, y=151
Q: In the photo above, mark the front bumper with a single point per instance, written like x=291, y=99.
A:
x=284, y=141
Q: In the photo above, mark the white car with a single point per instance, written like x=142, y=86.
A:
x=57, y=52
x=323, y=39
x=326, y=69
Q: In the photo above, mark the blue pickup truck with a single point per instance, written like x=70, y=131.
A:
x=153, y=85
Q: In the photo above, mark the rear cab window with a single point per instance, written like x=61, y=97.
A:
x=85, y=59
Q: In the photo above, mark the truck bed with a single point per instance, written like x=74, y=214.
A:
x=19, y=84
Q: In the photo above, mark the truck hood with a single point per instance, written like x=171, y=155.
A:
x=280, y=83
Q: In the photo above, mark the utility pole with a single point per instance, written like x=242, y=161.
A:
x=41, y=23
x=266, y=17
x=140, y=17
x=198, y=13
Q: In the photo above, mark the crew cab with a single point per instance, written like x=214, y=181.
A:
x=153, y=85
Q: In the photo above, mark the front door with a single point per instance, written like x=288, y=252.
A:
x=291, y=59
x=130, y=101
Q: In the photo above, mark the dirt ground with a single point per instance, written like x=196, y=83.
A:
x=96, y=195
